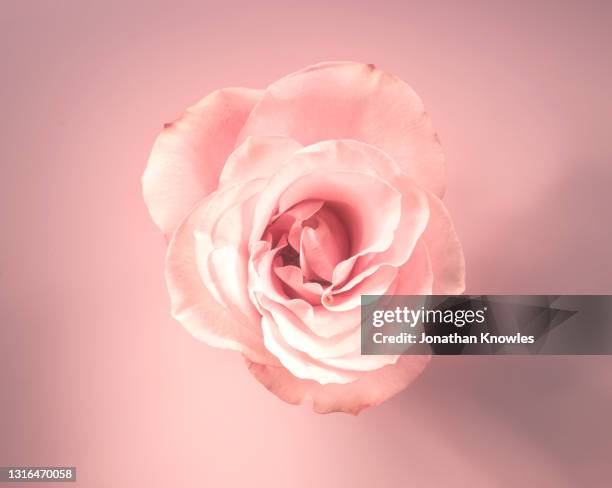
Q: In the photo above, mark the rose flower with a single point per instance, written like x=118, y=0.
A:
x=283, y=206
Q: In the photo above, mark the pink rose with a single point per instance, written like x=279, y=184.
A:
x=284, y=205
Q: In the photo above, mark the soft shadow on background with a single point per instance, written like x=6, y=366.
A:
x=95, y=373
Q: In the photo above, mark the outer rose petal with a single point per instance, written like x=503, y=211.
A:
x=415, y=276
x=372, y=388
x=353, y=101
x=258, y=157
x=194, y=306
x=445, y=251
x=188, y=155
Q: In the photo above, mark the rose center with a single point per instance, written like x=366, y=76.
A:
x=311, y=240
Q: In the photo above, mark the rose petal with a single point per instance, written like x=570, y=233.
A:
x=262, y=278
x=372, y=388
x=222, y=245
x=445, y=251
x=289, y=223
x=341, y=157
x=299, y=363
x=324, y=322
x=194, y=306
x=258, y=157
x=341, y=351
x=372, y=221
x=187, y=157
x=376, y=284
x=355, y=361
x=324, y=243
x=415, y=277
x=413, y=221
x=298, y=335
x=353, y=101
x=294, y=279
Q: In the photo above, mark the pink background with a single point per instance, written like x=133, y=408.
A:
x=95, y=373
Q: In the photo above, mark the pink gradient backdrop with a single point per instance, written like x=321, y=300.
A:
x=95, y=373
